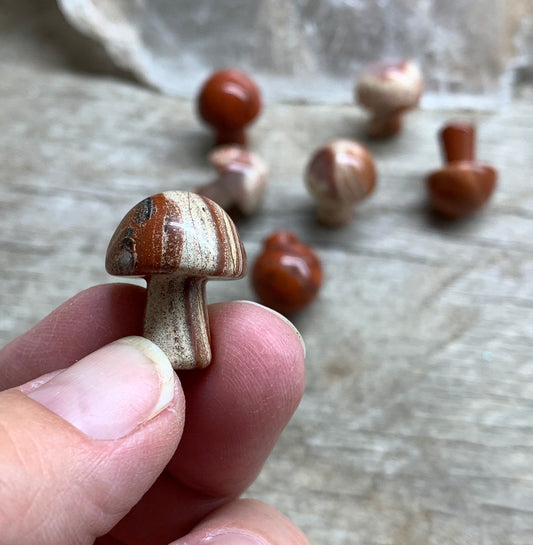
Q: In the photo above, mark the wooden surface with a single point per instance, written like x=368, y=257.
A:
x=416, y=425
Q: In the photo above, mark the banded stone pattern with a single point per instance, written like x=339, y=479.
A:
x=176, y=230
x=338, y=176
x=241, y=182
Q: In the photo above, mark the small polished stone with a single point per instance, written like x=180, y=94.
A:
x=229, y=101
x=241, y=181
x=339, y=175
x=287, y=275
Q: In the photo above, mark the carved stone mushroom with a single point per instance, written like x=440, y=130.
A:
x=339, y=175
x=177, y=241
x=228, y=102
x=463, y=185
x=241, y=181
x=388, y=89
x=287, y=274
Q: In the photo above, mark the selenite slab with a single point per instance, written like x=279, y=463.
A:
x=313, y=50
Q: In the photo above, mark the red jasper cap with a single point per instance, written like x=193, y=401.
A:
x=462, y=187
x=458, y=141
x=229, y=100
x=287, y=275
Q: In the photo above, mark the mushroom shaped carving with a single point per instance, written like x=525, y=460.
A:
x=228, y=101
x=387, y=89
x=241, y=180
x=463, y=185
x=287, y=275
x=177, y=241
x=339, y=175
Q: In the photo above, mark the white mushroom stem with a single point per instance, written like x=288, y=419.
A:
x=176, y=319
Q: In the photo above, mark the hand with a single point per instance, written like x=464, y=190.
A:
x=103, y=449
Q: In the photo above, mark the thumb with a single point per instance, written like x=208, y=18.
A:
x=79, y=447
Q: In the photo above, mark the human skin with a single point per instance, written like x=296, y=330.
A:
x=177, y=477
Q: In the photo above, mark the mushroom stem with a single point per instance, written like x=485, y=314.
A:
x=334, y=214
x=175, y=319
x=383, y=125
x=236, y=137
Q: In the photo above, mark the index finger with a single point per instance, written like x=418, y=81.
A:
x=86, y=322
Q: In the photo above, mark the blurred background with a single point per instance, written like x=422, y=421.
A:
x=472, y=52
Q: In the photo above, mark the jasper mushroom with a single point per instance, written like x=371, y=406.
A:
x=339, y=175
x=241, y=180
x=463, y=185
x=388, y=89
x=177, y=241
x=287, y=275
x=229, y=101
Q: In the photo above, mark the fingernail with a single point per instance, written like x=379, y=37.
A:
x=112, y=391
x=281, y=317
x=230, y=537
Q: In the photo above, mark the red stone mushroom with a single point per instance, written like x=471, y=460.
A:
x=287, y=275
x=229, y=101
x=463, y=185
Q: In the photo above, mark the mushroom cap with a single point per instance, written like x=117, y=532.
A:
x=461, y=188
x=390, y=86
x=176, y=232
x=343, y=171
x=243, y=174
x=229, y=100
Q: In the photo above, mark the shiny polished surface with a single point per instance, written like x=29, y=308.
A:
x=228, y=101
x=464, y=185
x=176, y=231
x=339, y=175
x=288, y=274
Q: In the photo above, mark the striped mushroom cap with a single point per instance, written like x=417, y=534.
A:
x=176, y=232
x=338, y=176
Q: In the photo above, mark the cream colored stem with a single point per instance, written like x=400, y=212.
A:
x=176, y=320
